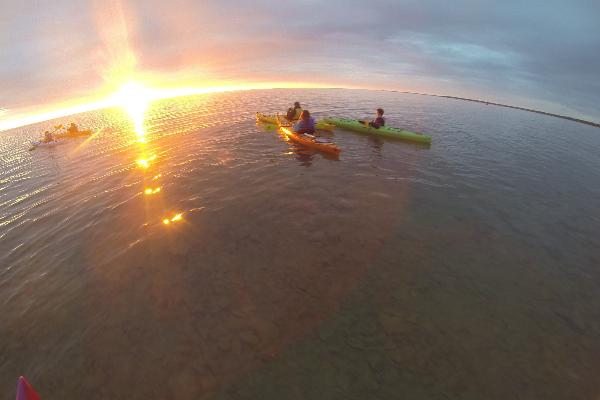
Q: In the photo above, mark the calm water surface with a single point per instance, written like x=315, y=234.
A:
x=464, y=270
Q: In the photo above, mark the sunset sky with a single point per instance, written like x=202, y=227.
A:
x=539, y=54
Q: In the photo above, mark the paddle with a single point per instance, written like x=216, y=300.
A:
x=279, y=123
x=56, y=127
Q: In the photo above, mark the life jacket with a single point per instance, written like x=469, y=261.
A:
x=298, y=111
x=291, y=114
x=377, y=122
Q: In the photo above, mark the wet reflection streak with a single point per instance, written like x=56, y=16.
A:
x=147, y=163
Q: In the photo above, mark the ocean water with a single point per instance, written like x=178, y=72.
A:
x=218, y=261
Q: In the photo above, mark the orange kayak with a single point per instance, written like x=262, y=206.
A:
x=309, y=141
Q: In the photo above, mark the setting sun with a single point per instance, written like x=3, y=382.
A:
x=134, y=98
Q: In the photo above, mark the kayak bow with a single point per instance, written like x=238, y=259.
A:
x=25, y=391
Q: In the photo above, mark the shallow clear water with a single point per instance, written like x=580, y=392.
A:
x=467, y=269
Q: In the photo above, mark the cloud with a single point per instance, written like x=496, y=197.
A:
x=533, y=54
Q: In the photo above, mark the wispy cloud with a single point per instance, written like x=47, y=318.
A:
x=534, y=54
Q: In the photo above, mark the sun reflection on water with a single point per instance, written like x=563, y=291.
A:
x=175, y=218
x=145, y=161
x=150, y=191
x=135, y=99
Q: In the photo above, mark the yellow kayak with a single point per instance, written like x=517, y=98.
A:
x=272, y=119
x=73, y=134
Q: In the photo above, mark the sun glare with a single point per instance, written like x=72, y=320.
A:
x=134, y=98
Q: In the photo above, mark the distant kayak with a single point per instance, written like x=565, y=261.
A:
x=356, y=126
x=272, y=119
x=67, y=134
x=25, y=391
x=60, y=138
x=41, y=143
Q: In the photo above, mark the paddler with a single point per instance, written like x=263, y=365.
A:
x=378, y=122
x=73, y=129
x=294, y=113
x=48, y=137
x=306, y=123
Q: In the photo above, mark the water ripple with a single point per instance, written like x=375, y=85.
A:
x=216, y=240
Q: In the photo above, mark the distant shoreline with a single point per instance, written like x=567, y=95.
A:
x=578, y=120
x=581, y=121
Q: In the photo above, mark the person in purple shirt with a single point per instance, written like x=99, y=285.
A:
x=306, y=123
x=379, y=121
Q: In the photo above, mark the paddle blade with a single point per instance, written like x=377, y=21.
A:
x=25, y=391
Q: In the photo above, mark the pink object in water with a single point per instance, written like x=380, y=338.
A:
x=25, y=391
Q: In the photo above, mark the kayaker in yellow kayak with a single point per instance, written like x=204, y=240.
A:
x=378, y=122
x=73, y=129
x=306, y=124
x=294, y=113
x=48, y=137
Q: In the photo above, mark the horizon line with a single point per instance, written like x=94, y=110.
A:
x=106, y=104
x=486, y=102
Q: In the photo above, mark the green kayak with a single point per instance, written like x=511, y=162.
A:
x=356, y=126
